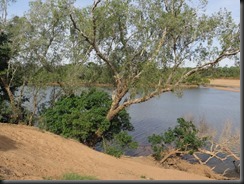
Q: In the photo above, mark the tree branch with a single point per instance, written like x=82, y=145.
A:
x=94, y=20
x=145, y=98
x=161, y=41
x=207, y=65
x=172, y=153
x=95, y=47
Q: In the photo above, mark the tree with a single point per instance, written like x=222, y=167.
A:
x=45, y=38
x=7, y=75
x=183, y=139
x=4, y=9
x=146, y=43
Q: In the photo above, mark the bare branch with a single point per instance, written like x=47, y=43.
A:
x=173, y=152
x=225, y=171
x=198, y=159
x=82, y=33
x=95, y=4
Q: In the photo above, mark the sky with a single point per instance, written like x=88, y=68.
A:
x=21, y=6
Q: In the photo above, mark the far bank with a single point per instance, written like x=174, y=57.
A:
x=225, y=84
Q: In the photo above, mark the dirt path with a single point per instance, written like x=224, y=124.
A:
x=27, y=153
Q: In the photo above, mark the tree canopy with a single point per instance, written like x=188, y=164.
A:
x=145, y=43
x=143, y=48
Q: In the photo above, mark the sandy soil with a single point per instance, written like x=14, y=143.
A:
x=225, y=84
x=27, y=153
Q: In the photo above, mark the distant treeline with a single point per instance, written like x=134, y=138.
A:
x=223, y=72
x=92, y=73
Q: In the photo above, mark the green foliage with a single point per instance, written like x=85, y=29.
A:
x=5, y=55
x=10, y=79
x=223, y=72
x=120, y=144
x=74, y=176
x=5, y=51
x=79, y=117
x=95, y=73
x=197, y=79
x=5, y=111
x=183, y=137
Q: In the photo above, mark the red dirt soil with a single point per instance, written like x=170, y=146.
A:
x=28, y=153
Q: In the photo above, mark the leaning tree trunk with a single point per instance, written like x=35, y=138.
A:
x=16, y=111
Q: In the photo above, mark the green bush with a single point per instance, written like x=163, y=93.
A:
x=119, y=144
x=79, y=117
x=184, y=137
x=5, y=111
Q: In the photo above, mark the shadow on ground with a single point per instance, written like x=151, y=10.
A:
x=6, y=143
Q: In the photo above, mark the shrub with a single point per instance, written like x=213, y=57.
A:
x=79, y=117
x=5, y=111
x=119, y=144
x=182, y=138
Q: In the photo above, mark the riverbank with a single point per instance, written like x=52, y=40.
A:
x=225, y=84
x=28, y=153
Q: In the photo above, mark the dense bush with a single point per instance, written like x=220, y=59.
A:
x=79, y=117
x=183, y=137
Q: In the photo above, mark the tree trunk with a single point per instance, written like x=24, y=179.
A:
x=15, y=109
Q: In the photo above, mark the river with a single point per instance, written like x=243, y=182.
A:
x=215, y=107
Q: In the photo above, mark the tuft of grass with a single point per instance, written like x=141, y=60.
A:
x=74, y=176
x=144, y=177
x=47, y=178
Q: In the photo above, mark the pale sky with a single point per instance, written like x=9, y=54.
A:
x=21, y=6
x=233, y=6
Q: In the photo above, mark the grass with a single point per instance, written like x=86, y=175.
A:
x=47, y=178
x=144, y=177
x=74, y=176
x=71, y=176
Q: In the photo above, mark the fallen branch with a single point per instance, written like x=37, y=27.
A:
x=174, y=152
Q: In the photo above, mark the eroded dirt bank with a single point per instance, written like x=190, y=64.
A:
x=27, y=153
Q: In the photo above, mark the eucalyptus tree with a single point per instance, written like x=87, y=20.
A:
x=4, y=9
x=9, y=73
x=46, y=40
x=39, y=40
x=144, y=43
